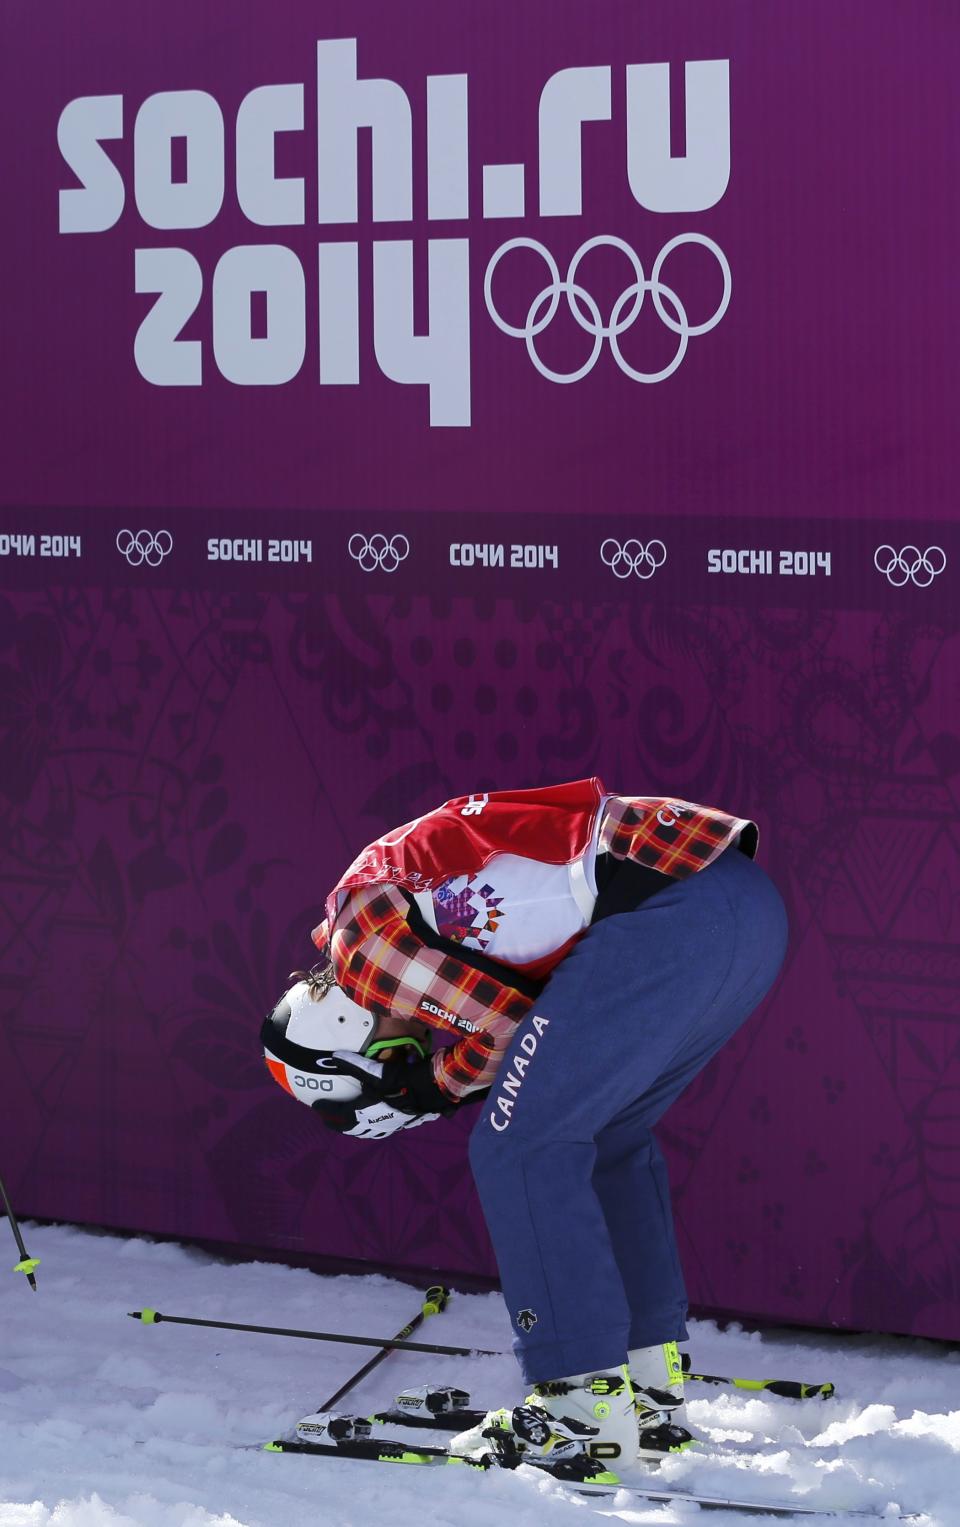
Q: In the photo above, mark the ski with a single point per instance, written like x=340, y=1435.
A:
x=374, y=1450
x=442, y=1408
x=343, y=1426
x=464, y=1420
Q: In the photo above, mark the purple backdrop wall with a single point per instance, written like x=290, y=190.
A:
x=735, y=584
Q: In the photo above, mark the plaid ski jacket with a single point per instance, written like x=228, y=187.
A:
x=386, y=958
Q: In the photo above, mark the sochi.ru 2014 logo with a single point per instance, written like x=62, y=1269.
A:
x=261, y=294
x=144, y=546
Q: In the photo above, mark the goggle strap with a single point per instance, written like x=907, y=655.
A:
x=393, y=1044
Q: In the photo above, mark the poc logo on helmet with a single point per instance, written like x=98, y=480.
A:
x=313, y=1083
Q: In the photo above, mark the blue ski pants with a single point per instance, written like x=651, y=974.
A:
x=573, y=1186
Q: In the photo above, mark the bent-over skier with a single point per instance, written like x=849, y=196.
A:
x=588, y=953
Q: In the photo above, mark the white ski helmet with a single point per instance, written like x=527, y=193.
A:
x=311, y=1020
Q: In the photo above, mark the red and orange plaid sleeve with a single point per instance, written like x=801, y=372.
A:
x=675, y=837
x=380, y=962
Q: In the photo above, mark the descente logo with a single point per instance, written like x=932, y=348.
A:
x=260, y=303
x=513, y=1081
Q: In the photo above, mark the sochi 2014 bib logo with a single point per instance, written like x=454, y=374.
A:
x=258, y=291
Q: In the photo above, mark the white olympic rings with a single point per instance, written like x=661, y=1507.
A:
x=376, y=551
x=543, y=308
x=145, y=546
x=911, y=565
x=632, y=557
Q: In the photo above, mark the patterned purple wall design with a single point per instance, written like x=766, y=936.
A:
x=737, y=585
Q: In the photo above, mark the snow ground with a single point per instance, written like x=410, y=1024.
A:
x=105, y=1422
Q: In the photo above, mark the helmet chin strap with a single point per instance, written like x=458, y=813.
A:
x=379, y=1045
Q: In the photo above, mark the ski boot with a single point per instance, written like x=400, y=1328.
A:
x=603, y=1402
x=657, y=1377
x=528, y=1434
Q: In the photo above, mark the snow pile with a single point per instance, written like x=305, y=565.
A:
x=107, y=1423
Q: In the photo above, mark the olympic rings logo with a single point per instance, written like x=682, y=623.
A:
x=376, y=551
x=633, y=557
x=626, y=310
x=911, y=565
x=146, y=546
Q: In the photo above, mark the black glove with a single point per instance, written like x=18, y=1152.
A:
x=412, y=1085
x=418, y=1088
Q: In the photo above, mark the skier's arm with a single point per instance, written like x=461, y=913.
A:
x=386, y=958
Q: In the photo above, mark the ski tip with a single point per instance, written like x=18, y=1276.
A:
x=272, y=1447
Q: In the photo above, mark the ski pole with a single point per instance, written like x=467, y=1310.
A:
x=789, y=1389
x=434, y=1303
x=26, y=1264
x=154, y=1318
